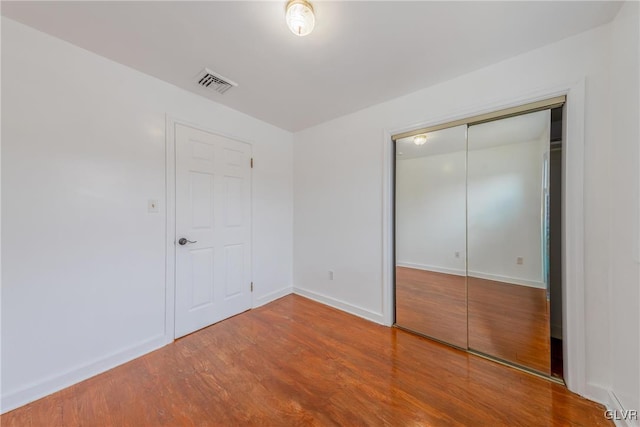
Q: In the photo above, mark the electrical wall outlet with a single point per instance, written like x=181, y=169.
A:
x=152, y=206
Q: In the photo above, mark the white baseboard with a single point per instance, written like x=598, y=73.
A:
x=608, y=398
x=445, y=270
x=32, y=392
x=272, y=296
x=341, y=305
x=478, y=274
x=597, y=393
x=506, y=279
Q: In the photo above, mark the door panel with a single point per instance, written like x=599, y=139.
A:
x=201, y=284
x=507, y=175
x=213, y=209
x=234, y=200
x=201, y=199
x=431, y=289
x=234, y=260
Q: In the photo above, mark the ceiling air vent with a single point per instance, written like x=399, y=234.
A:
x=211, y=80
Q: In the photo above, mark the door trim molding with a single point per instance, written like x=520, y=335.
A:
x=574, y=333
x=170, y=214
x=170, y=228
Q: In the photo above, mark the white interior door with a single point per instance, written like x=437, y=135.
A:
x=213, y=217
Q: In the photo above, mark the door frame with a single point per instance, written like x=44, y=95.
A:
x=573, y=304
x=170, y=214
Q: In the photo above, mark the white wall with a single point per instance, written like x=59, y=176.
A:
x=338, y=180
x=430, y=213
x=84, y=263
x=625, y=275
x=504, y=197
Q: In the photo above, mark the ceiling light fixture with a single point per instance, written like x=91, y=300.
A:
x=300, y=17
x=420, y=139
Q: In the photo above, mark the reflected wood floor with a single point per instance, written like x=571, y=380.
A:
x=510, y=322
x=433, y=304
x=297, y=362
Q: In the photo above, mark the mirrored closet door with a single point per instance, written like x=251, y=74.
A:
x=431, y=241
x=507, y=178
x=472, y=236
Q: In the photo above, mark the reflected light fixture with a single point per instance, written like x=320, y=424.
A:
x=420, y=139
x=300, y=17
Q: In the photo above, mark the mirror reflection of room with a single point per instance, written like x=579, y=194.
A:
x=506, y=218
x=431, y=234
x=478, y=226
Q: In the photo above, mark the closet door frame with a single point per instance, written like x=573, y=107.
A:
x=574, y=333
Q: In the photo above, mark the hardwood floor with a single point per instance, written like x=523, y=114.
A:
x=433, y=304
x=297, y=362
x=510, y=322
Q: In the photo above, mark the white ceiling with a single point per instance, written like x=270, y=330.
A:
x=360, y=53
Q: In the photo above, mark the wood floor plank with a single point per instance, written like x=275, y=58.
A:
x=296, y=362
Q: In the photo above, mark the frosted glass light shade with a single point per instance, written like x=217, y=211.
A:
x=420, y=139
x=300, y=17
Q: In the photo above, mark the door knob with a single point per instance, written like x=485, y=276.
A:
x=184, y=241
